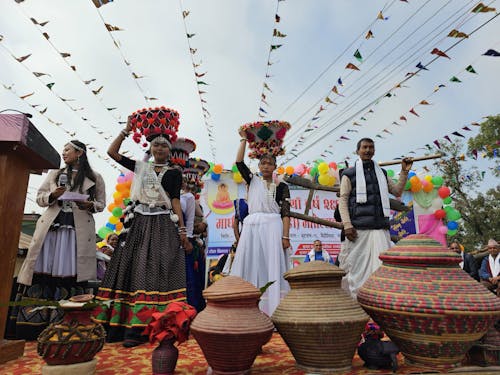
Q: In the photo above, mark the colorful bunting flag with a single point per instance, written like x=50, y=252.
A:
x=199, y=75
x=99, y=3
x=467, y=128
x=458, y=134
x=412, y=111
x=358, y=56
x=189, y=36
x=27, y=95
x=422, y=67
x=356, y=124
x=65, y=54
x=380, y=16
x=185, y=13
x=262, y=110
x=470, y=69
x=438, y=87
x=201, y=83
x=43, y=110
x=457, y=34
x=436, y=142
x=112, y=28
x=454, y=79
x=277, y=18
x=39, y=74
x=344, y=138
x=267, y=87
x=98, y=90
x=278, y=34
x=438, y=52
x=38, y=23
x=491, y=52
x=334, y=90
x=447, y=138
x=275, y=46
x=424, y=102
x=481, y=8
x=328, y=100
x=369, y=35
x=388, y=95
x=396, y=123
x=89, y=81
x=136, y=76
x=339, y=81
x=50, y=85
x=351, y=66
x=22, y=58
x=193, y=50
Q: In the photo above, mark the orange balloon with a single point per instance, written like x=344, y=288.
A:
x=416, y=188
x=111, y=206
x=217, y=168
x=119, y=226
x=289, y=170
x=428, y=187
x=414, y=180
x=280, y=170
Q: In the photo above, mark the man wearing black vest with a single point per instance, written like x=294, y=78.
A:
x=364, y=209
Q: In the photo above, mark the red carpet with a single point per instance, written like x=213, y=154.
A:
x=115, y=359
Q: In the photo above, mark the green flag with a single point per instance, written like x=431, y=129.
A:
x=358, y=56
x=470, y=69
x=49, y=85
x=454, y=79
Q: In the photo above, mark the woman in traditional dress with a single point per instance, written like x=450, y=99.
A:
x=61, y=257
x=261, y=255
x=148, y=271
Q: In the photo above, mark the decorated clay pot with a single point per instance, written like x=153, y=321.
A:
x=231, y=329
x=164, y=357
x=75, y=339
x=433, y=310
x=320, y=322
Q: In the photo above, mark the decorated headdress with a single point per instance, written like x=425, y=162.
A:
x=181, y=148
x=195, y=170
x=266, y=137
x=151, y=122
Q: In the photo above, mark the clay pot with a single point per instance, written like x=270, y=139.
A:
x=231, y=329
x=319, y=321
x=164, y=357
x=433, y=310
x=75, y=339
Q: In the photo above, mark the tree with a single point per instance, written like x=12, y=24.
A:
x=488, y=142
x=480, y=216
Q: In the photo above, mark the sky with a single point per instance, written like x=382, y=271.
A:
x=232, y=42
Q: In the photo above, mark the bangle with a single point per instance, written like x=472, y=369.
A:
x=285, y=238
x=243, y=139
x=125, y=133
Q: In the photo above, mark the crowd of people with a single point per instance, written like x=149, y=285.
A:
x=162, y=256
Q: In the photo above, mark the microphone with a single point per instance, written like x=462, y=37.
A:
x=28, y=115
x=63, y=179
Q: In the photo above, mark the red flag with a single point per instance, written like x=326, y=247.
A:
x=436, y=142
x=412, y=111
x=403, y=118
x=467, y=128
x=351, y=66
x=438, y=52
x=447, y=138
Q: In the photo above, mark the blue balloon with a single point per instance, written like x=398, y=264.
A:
x=111, y=226
x=215, y=177
x=452, y=225
x=411, y=174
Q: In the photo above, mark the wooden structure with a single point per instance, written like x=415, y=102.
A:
x=23, y=149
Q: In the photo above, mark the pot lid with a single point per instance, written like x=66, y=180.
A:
x=314, y=270
x=420, y=250
x=231, y=288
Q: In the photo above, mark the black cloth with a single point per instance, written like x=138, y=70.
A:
x=470, y=266
x=171, y=181
x=282, y=191
x=338, y=219
x=369, y=215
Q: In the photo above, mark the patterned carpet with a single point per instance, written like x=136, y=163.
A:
x=115, y=359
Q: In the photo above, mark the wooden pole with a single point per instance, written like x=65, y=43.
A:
x=317, y=220
x=418, y=158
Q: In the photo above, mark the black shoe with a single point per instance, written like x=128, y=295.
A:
x=394, y=362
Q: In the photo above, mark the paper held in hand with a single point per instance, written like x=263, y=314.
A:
x=73, y=196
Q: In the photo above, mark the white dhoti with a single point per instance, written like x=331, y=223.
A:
x=360, y=258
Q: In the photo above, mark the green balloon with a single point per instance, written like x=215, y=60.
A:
x=437, y=181
x=314, y=171
x=117, y=212
x=447, y=200
x=453, y=215
x=126, y=201
x=452, y=232
x=390, y=173
x=408, y=185
x=234, y=169
x=211, y=165
x=103, y=232
x=448, y=208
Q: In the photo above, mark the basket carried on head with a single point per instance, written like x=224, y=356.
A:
x=266, y=137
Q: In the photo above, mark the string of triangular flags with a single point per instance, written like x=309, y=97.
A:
x=334, y=92
x=201, y=83
x=59, y=125
x=276, y=43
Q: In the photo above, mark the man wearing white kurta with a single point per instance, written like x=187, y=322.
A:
x=364, y=208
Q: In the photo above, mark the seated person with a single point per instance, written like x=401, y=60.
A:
x=107, y=250
x=468, y=263
x=489, y=272
x=317, y=253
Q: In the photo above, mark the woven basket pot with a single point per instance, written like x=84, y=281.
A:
x=231, y=329
x=320, y=322
x=433, y=310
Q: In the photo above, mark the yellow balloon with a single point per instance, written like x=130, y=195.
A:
x=280, y=170
x=323, y=168
x=114, y=219
x=323, y=179
x=237, y=177
x=428, y=178
x=331, y=180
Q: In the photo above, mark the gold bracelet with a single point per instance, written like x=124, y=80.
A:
x=243, y=139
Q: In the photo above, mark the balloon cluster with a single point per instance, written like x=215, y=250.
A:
x=215, y=171
x=322, y=172
x=236, y=174
x=121, y=198
x=415, y=184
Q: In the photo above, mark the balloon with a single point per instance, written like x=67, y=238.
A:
x=452, y=232
x=323, y=168
x=443, y=229
x=314, y=171
x=416, y=188
x=117, y=196
x=234, y=168
x=428, y=178
x=217, y=169
x=408, y=185
x=453, y=215
x=437, y=181
x=323, y=179
x=440, y=214
x=414, y=180
x=129, y=176
x=111, y=227
x=103, y=232
x=280, y=170
x=121, y=187
x=289, y=170
x=444, y=191
x=448, y=209
x=390, y=173
x=211, y=167
x=300, y=169
x=411, y=174
x=331, y=180
x=111, y=206
x=237, y=177
x=121, y=179
x=452, y=225
x=113, y=220
x=119, y=226
x=332, y=165
x=215, y=176
x=447, y=200
x=126, y=201
x=117, y=212
x=427, y=186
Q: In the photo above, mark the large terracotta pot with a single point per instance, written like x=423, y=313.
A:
x=75, y=339
x=320, y=322
x=432, y=309
x=231, y=329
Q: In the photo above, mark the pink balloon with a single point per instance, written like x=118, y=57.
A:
x=121, y=179
x=129, y=176
x=443, y=229
x=299, y=169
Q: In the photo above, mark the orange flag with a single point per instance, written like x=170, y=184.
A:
x=438, y=52
x=351, y=66
x=424, y=102
x=457, y=34
x=369, y=35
